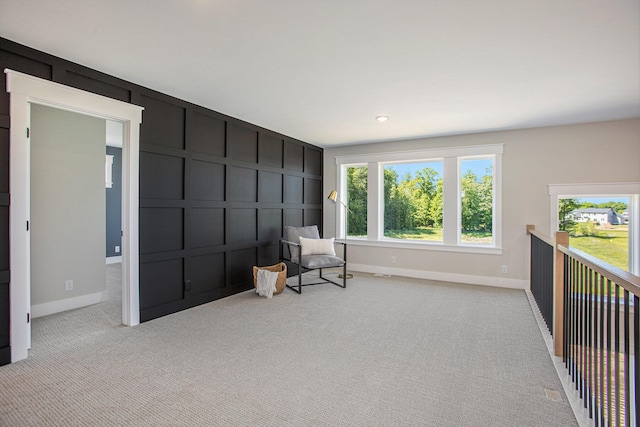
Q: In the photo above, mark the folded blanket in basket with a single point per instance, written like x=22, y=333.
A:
x=266, y=283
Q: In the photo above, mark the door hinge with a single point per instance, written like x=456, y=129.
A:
x=27, y=132
x=28, y=317
x=27, y=225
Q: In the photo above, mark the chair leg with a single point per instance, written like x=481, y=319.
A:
x=299, y=286
x=344, y=275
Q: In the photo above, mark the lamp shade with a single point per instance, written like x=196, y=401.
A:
x=333, y=195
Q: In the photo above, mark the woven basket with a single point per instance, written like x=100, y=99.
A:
x=281, y=281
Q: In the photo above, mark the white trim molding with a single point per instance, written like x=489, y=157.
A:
x=114, y=259
x=59, y=306
x=26, y=90
x=499, y=282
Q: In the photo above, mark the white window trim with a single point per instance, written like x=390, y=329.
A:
x=451, y=200
x=610, y=189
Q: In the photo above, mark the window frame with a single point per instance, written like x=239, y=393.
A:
x=451, y=196
x=493, y=201
x=613, y=189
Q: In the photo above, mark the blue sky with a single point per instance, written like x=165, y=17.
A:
x=477, y=166
x=598, y=200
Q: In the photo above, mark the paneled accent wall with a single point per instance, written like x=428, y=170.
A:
x=215, y=192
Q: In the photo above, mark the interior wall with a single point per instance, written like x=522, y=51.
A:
x=114, y=205
x=215, y=191
x=532, y=159
x=67, y=204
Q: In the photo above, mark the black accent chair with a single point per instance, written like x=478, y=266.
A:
x=308, y=262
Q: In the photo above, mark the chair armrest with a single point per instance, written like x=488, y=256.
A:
x=289, y=243
x=340, y=243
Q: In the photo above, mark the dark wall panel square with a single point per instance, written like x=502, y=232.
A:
x=293, y=217
x=208, y=135
x=270, y=224
x=312, y=161
x=4, y=160
x=243, y=225
x=24, y=65
x=241, y=264
x=161, y=177
x=312, y=191
x=293, y=156
x=162, y=123
x=268, y=255
x=243, y=184
x=293, y=189
x=4, y=238
x=207, y=273
x=207, y=181
x=5, y=314
x=161, y=230
x=313, y=217
x=270, y=151
x=242, y=143
x=96, y=86
x=207, y=227
x=270, y=185
x=161, y=283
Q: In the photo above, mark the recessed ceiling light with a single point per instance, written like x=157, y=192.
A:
x=382, y=118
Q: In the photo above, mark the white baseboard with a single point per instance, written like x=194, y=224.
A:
x=66, y=304
x=500, y=282
x=114, y=259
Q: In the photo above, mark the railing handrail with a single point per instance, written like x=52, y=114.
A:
x=628, y=281
x=539, y=235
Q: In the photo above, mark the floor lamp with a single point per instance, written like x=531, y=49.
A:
x=333, y=196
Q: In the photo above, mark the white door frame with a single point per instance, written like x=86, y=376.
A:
x=26, y=90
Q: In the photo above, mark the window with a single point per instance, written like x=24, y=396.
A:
x=476, y=200
x=601, y=219
x=413, y=200
x=357, y=201
x=108, y=171
x=444, y=199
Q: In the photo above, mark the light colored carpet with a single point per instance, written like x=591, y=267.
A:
x=383, y=352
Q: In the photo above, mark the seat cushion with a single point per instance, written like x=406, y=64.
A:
x=321, y=261
x=293, y=234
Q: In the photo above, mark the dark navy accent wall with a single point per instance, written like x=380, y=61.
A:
x=215, y=192
x=114, y=204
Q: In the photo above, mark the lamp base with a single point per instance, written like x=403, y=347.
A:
x=349, y=276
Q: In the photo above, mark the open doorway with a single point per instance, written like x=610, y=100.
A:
x=25, y=91
x=68, y=210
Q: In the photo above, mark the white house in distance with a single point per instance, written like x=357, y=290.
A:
x=599, y=216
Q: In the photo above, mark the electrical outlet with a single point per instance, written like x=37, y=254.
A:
x=68, y=285
x=117, y=249
x=504, y=269
x=393, y=260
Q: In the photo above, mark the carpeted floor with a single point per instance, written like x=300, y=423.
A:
x=383, y=352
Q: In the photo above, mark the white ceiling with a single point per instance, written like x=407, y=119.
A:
x=320, y=71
